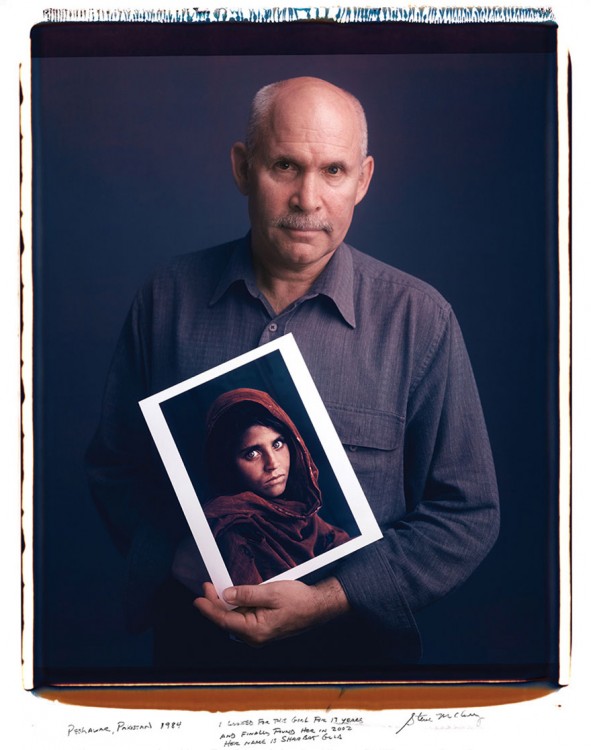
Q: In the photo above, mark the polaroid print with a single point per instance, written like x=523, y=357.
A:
x=131, y=130
x=242, y=444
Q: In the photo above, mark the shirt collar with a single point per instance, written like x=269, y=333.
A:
x=335, y=282
x=238, y=268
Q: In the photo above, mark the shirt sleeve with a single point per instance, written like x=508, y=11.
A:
x=127, y=480
x=451, y=496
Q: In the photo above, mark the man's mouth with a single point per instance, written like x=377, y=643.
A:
x=302, y=224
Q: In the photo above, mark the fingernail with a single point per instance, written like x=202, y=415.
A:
x=230, y=595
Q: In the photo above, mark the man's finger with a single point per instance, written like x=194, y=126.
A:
x=217, y=612
x=210, y=593
x=242, y=624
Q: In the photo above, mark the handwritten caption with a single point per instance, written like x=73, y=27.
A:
x=296, y=730
x=325, y=730
x=123, y=727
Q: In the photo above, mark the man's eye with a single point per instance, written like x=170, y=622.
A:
x=333, y=169
x=283, y=165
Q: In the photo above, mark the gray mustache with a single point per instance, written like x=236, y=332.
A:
x=303, y=223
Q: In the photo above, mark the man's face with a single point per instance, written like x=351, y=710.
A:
x=305, y=178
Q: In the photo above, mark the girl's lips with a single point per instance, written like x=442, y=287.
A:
x=275, y=480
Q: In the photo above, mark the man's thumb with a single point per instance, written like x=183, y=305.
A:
x=245, y=596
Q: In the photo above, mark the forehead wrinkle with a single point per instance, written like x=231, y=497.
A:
x=311, y=120
x=315, y=146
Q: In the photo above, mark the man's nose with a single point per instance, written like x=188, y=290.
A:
x=306, y=196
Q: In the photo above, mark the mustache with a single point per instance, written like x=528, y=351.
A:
x=301, y=222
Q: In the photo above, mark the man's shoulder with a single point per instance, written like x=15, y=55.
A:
x=376, y=273
x=206, y=261
x=193, y=275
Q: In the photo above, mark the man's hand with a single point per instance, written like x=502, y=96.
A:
x=272, y=611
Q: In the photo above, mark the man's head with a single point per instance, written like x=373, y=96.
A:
x=304, y=168
x=262, y=103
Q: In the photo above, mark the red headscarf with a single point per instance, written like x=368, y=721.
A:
x=303, y=476
x=261, y=537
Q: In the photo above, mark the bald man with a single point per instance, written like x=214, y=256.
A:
x=387, y=356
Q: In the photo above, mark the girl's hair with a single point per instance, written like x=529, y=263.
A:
x=224, y=441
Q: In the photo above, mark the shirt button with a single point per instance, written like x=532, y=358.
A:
x=273, y=327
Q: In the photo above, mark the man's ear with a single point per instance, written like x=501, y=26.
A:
x=364, y=178
x=240, y=166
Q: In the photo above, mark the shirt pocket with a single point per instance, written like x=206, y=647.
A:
x=373, y=441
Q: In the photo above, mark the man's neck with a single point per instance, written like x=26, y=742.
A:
x=283, y=286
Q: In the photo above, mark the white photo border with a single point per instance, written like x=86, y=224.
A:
x=185, y=491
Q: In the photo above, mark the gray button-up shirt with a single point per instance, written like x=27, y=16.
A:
x=388, y=358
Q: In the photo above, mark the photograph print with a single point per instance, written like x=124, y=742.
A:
x=386, y=194
x=249, y=483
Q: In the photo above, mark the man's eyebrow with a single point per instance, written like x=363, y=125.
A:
x=283, y=156
x=338, y=163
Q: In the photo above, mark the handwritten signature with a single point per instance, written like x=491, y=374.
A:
x=419, y=717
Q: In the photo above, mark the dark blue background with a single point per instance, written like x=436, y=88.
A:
x=131, y=166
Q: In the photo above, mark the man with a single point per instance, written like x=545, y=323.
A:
x=388, y=358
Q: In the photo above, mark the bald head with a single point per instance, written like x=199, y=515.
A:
x=303, y=95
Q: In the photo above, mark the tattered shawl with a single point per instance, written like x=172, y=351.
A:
x=260, y=538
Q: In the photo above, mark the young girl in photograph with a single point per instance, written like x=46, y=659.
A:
x=264, y=510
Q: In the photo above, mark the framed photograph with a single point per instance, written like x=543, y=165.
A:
x=226, y=436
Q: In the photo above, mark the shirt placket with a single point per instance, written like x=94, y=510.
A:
x=279, y=325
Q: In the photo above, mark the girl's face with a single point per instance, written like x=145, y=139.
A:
x=263, y=460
